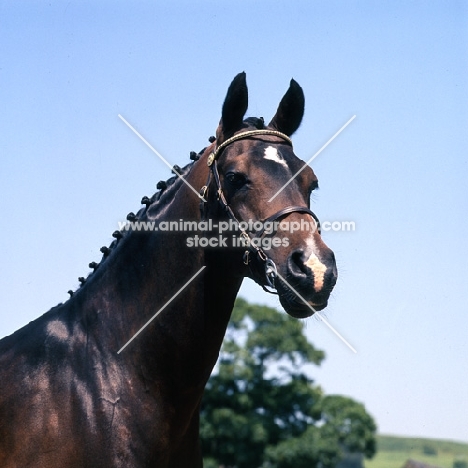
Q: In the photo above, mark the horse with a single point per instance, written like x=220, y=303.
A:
x=84, y=385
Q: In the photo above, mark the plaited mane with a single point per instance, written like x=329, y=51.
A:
x=164, y=195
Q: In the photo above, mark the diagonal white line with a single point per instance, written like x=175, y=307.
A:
x=318, y=314
x=161, y=309
x=312, y=158
x=159, y=156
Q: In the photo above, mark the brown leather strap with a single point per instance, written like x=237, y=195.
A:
x=254, y=255
x=286, y=211
x=261, y=266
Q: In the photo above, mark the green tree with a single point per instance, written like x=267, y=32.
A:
x=261, y=409
x=429, y=449
x=460, y=463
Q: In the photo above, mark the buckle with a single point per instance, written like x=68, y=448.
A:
x=203, y=192
x=246, y=257
x=270, y=273
x=210, y=159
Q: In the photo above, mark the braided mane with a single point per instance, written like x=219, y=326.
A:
x=159, y=200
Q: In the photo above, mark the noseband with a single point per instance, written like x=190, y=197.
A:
x=262, y=267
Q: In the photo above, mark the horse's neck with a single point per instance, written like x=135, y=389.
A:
x=142, y=275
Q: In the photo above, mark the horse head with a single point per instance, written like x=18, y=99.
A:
x=265, y=188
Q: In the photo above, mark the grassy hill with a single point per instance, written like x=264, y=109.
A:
x=392, y=452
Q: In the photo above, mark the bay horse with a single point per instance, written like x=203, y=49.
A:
x=70, y=398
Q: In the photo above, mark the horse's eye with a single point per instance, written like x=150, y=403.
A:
x=235, y=179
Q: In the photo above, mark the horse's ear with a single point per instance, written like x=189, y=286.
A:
x=290, y=110
x=235, y=105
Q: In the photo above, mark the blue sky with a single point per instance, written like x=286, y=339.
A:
x=70, y=169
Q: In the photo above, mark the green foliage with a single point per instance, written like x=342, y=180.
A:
x=210, y=463
x=275, y=336
x=352, y=460
x=262, y=410
x=394, y=451
x=415, y=444
x=350, y=423
x=310, y=449
x=460, y=463
x=429, y=449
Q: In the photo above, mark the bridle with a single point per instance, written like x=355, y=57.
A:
x=262, y=267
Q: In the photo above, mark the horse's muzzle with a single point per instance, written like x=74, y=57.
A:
x=308, y=282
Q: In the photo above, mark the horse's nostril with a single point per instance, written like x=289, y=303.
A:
x=296, y=264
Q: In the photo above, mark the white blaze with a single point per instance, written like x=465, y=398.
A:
x=317, y=267
x=272, y=154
